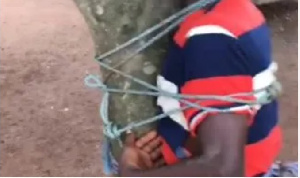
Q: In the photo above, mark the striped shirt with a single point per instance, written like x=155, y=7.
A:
x=221, y=51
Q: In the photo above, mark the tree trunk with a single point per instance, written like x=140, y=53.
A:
x=113, y=22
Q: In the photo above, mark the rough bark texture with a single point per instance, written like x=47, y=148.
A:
x=113, y=22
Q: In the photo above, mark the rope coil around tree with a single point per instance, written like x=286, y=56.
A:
x=112, y=131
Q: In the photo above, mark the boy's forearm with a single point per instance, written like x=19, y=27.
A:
x=199, y=167
x=222, y=156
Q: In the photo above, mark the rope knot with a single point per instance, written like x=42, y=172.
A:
x=271, y=93
x=111, y=130
x=94, y=81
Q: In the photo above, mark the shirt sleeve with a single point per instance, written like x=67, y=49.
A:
x=214, y=65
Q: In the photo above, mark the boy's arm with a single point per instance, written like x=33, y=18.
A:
x=222, y=138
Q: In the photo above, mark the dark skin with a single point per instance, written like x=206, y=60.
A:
x=218, y=150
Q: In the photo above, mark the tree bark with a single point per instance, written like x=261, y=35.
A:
x=113, y=22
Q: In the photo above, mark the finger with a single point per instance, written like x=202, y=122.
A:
x=130, y=139
x=160, y=163
x=152, y=145
x=145, y=139
x=156, y=153
x=147, y=160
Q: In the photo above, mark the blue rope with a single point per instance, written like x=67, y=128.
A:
x=113, y=132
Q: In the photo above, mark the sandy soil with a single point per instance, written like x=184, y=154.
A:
x=49, y=119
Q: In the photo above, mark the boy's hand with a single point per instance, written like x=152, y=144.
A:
x=144, y=153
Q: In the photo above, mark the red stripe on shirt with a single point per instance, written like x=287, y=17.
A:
x=237, y=16
x=220, y=86
x=168, y=154
x=260, y=156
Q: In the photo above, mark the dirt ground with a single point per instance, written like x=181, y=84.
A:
x=49, y=119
